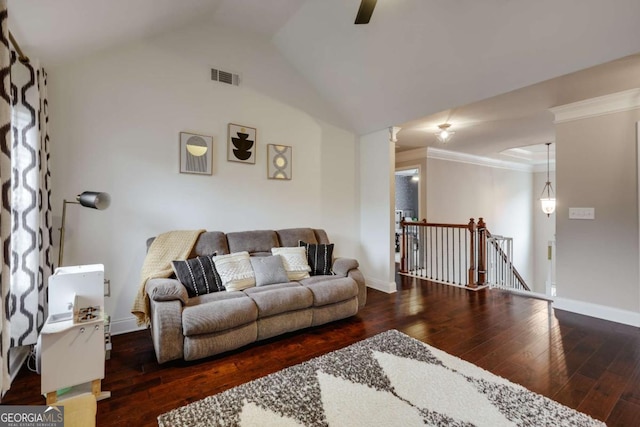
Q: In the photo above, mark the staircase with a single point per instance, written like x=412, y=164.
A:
x=465, y=255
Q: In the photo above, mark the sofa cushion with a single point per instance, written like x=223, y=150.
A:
x=235, y=271
x=216, y=296
x=211, y=242
x=280, y=298
x=319, y=257
x=252, y=241
x=269, y=270
x=295, y=262
x=330, y=289
x=218, y=315
x=198, y=275
x=291, y=236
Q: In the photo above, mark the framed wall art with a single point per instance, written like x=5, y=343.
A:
x=279, y=158
x=241, y=146
x=196, y=153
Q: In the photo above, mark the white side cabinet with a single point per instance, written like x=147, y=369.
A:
x=72, y=341
x=72, y=354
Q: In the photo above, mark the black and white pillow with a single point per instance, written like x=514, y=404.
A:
x=319, y=257
x=198, y=275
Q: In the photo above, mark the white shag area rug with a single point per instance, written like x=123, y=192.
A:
x=390, y=379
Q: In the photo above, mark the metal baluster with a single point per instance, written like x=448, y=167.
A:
x=447, y=230
x=431, y=252
x=420, y=251
x=453, y=255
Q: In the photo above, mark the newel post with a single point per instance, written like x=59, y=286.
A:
x=403, y=244
x=471, y=282
x=482, y=252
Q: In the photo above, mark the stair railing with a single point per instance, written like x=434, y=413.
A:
x=458, y=254
x=447, y=253
x=501, y=272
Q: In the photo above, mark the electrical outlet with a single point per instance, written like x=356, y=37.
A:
x=582, y=213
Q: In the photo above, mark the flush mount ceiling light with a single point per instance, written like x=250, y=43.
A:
x=548, y=199
x=444, y=135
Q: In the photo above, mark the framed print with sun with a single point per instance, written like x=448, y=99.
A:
x=279, y=158
x=196, y=153
x=241, y=146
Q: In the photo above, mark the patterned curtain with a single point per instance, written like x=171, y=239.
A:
x=5, y=182
x=32, y=230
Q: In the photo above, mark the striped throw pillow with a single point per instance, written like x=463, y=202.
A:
x=198, y=275
x=320, y=258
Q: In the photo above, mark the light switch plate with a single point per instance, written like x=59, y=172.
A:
x=582, y=213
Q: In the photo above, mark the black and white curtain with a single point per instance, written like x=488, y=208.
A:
x=5, y=208
x=31, y=231
x=25, y=213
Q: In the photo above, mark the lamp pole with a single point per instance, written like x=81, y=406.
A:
x=64, y=217
x=88, y=199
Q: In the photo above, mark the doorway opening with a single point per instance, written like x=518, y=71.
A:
x=407, y=201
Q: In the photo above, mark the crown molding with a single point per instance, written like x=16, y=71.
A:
x=601, y=105
x=415, y=154
x=440, y=154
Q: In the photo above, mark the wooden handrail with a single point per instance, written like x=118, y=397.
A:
x=437, y=262
x=433, y=224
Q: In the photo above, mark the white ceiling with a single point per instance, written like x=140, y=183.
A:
x=61, y=30
x=520, y=118
x=416, y=59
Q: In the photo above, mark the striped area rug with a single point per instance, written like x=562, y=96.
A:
x=387, y=380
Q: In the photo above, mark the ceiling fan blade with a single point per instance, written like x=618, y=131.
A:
x=365, y=11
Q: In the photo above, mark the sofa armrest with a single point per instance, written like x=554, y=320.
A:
x=166, y=330
x=163, y=290
x=342, y=266
x=357, y=276
x=348, y=267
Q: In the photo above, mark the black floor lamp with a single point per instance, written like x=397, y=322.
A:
x=88, y=199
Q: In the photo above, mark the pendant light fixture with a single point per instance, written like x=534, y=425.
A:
x=548, y=199
x=444, y=134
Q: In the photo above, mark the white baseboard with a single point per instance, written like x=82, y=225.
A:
x=122, y=326
x=381, y=285
x=599, y=311
x=17, y=356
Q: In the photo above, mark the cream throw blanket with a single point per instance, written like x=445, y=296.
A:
x=167, y=247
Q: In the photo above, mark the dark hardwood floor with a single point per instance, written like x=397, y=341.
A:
x=587, y=364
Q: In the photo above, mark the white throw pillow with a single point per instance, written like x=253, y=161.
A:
x=295, y=262
x=235, y=271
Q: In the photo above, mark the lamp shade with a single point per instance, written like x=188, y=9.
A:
x=444, y=134
x=94, y=200
x=548, y=205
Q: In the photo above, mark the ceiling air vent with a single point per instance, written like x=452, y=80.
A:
x=225, y=77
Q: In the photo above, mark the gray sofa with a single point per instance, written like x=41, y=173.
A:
x=193, y=328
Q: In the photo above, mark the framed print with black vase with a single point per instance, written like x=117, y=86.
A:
x=241, y=146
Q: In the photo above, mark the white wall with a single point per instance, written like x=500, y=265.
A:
x=377, y=199
x=458, y=191
x=598, y=259
x=544, y=229
x=115, y=121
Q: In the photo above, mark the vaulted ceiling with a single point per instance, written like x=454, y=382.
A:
x=418, y=62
